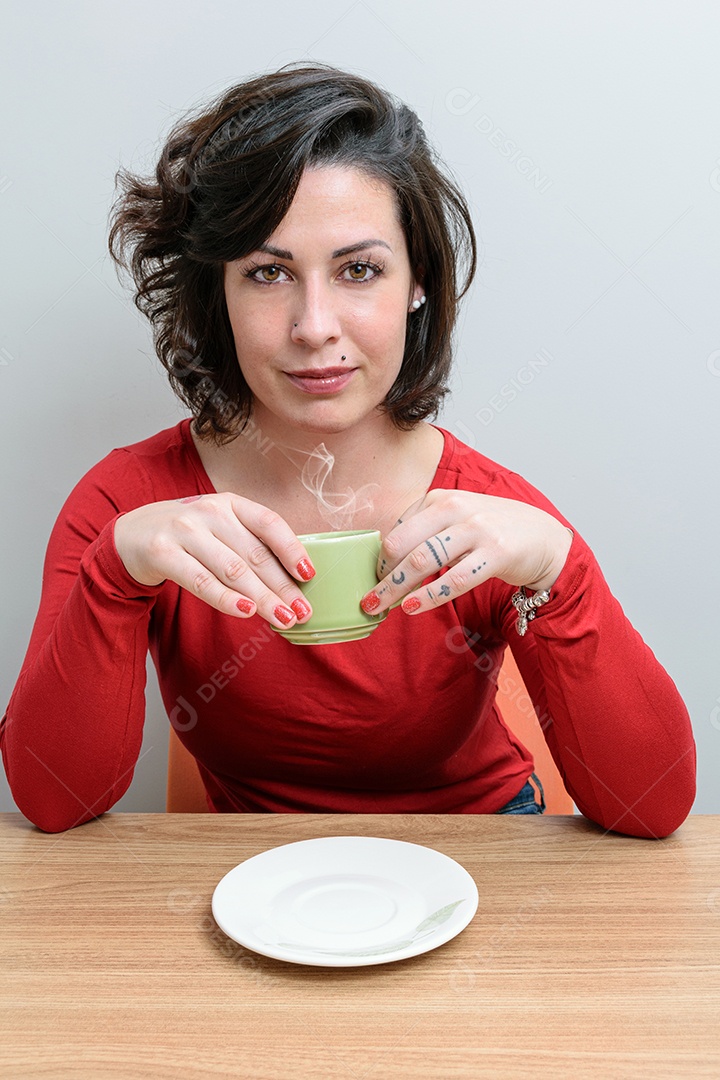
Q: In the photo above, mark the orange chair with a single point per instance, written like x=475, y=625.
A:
x=516, y=710
x=185, y=789
x=186, y=794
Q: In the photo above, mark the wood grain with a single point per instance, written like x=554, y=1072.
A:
x=591, y=954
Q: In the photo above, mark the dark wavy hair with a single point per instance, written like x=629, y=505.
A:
x=226, y=178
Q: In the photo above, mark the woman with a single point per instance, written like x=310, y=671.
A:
x=299, y=256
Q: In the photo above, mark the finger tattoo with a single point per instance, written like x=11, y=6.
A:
x=477, y=568
x=437, y=557
x=397, y=579
x=443, y=546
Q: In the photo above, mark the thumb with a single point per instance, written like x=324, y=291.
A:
x=413, y=509
x=384, y=563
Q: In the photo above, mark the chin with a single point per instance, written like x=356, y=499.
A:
x=329, y=426
x=333, y=420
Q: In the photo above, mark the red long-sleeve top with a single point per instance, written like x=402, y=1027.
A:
x=403, y=721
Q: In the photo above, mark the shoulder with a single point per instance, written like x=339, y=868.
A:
x=157, y=452
x=466, y=469
x=151, y=470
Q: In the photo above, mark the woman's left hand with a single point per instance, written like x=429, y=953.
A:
x=477, y=537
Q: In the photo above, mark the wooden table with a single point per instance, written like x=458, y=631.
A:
x=591, y=955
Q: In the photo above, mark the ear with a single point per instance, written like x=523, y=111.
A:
x=418, y=289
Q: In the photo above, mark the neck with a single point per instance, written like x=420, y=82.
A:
x=282, y=458
x=364, y=477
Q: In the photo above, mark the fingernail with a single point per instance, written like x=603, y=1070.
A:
x=301, y=608
x=244, y=605
x=410, y=605
x=305, y=569
x=283, y=614
x=370, y=602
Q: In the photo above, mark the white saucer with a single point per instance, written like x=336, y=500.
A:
x=345, y=901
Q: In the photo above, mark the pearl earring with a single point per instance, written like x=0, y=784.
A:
x=417, y=303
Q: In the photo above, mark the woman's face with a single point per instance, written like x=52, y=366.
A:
x=319, y=311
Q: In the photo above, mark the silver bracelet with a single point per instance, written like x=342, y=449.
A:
x=526, y=607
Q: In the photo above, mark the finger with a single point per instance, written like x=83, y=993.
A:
x=256, y=571
x=430, y=517
x=223, y=543
x=414, y=508
x=455, y=549
x=277, y=535
x=193, y=576
x=227, y=581
x=390, y=555
x=457, y=580
x=431, y=556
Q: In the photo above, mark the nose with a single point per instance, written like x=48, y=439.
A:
x=316, y=318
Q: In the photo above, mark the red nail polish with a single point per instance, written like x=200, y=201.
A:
x=301, y=608
x=283, y=614
x=410, y=605
x=370, y=602
x=244, y=605
x=305, y=569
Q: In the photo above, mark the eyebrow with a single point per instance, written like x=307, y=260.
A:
x=362, y=245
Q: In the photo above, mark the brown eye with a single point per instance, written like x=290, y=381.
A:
x=358, y=271
x=266, y=275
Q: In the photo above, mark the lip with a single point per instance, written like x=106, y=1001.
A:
x=321, y=380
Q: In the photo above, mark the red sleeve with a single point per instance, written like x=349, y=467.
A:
x=73, y=728
x=613, y=719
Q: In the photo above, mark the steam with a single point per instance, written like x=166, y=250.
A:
x=338, y=508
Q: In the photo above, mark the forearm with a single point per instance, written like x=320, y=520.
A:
x=613, y=719
x=73, y=728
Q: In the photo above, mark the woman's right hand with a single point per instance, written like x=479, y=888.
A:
x=236, y=555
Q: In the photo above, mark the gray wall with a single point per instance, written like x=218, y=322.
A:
x=586, y=137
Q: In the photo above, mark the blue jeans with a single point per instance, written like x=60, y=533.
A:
x=525, y=800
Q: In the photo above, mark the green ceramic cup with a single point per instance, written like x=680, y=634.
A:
x=345, y=565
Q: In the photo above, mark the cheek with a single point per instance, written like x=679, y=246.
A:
x=381, y=332
x=254, y=333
